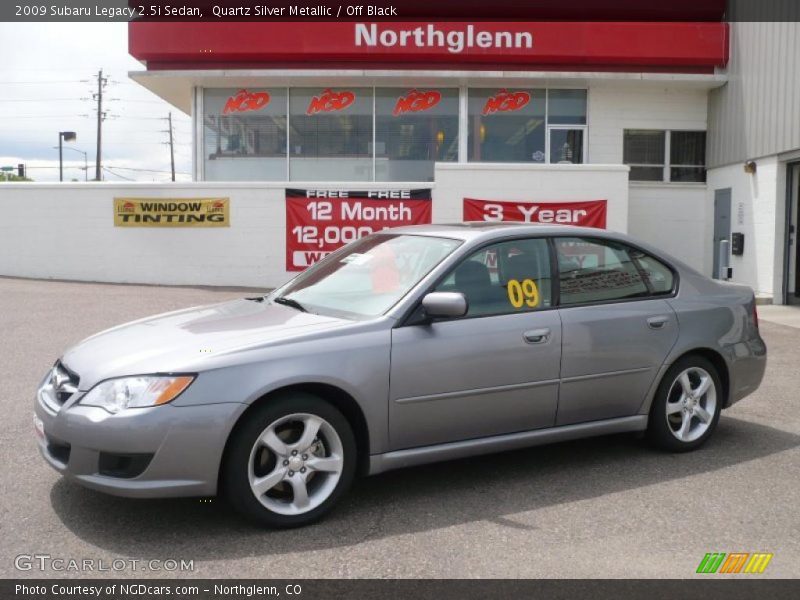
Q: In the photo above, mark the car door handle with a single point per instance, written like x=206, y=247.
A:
x=537, y=336
x=657, y=322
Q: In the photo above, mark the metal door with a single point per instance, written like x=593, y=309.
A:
x=722, y=229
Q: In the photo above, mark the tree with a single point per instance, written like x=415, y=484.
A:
x=12, y=177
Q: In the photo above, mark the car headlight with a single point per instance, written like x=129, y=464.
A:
x=115, y=395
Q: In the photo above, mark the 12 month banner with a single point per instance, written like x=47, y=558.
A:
x=172, y=212
x=319, y=222
x=591, y=213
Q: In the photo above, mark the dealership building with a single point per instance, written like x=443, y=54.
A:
x=684, y=132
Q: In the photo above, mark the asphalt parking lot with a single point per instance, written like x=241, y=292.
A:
x=606, y=507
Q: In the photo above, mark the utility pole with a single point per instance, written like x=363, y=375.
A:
x=101, y=84
x=171, y=147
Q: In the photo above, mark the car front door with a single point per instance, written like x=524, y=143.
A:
x=491, y=372
x=617, y=327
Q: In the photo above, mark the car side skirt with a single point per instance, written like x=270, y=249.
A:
x=398, y=459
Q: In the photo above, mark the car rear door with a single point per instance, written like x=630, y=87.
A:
x=617, y=327
x=491, y=372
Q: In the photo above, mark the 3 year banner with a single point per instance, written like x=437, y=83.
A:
x=319, y=222
x=591, y=213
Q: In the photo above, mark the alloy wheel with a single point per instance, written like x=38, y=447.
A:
x=295, y=464
x=691, y=404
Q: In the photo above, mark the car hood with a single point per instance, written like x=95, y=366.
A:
x=184, y=340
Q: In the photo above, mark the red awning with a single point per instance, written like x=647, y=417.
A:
x=598, y=45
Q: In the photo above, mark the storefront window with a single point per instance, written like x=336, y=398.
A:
x=566, y=146
x=414, y=128
x=566, y=107
x=507, y=125
x=395, y=134
x=331, y=134
x=244, y=134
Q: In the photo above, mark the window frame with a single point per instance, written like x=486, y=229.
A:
x=666, y=176
x=411, y=317
x=584, y=149
x=651, y=295
x=484, y=247
x=466, y=133
x=458, y=94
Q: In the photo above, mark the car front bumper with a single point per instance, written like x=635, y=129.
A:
x=169, y=451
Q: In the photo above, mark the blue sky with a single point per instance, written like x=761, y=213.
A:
x=46, y=85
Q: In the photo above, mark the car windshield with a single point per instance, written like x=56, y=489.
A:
x=366, y=278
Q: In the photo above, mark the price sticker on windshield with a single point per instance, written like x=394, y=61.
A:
x=523, y=293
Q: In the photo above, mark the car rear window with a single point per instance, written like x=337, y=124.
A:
x=598, y=271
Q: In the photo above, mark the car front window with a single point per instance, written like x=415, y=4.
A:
x=366, y=278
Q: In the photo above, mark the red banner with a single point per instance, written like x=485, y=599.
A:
x=321, y=221
x=591, y=213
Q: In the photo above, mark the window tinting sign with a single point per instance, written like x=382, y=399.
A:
x=171, y=212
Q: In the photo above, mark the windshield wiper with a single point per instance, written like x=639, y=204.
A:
x=290, y=302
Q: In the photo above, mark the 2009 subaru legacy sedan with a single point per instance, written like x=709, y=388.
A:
x=413, y=345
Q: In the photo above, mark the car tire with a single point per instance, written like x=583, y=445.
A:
x=687, y=405
x=289, y=461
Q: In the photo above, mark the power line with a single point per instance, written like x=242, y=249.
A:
x=43, y=116
x=41, y=99
x=108, y=170
x=43, y=82
x=142, y=101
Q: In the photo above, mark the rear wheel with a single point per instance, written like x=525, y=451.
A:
x=687, y=405
x=290, y=462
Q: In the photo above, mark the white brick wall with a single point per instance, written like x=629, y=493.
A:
x=616, y=107
x=531, y=183
x=66, y=231
x=674, y=217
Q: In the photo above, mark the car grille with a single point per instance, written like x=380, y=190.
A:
x=59, y=387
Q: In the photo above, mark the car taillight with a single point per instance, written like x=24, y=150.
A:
x=755, y=314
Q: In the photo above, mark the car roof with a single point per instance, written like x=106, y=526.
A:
x=471, y=230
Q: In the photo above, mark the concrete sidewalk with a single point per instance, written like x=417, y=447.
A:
x=780, y=314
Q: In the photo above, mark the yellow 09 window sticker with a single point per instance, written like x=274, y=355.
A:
x=522, y=293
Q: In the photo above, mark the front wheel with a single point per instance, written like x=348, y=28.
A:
x=290, y=462
x=687, y=405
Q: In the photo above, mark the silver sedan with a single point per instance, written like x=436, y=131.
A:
x=409, y=346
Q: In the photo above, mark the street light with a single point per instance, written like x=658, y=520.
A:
x=66, y=136
x=85, y=161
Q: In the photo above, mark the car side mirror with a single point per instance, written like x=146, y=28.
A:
x=445, y=305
